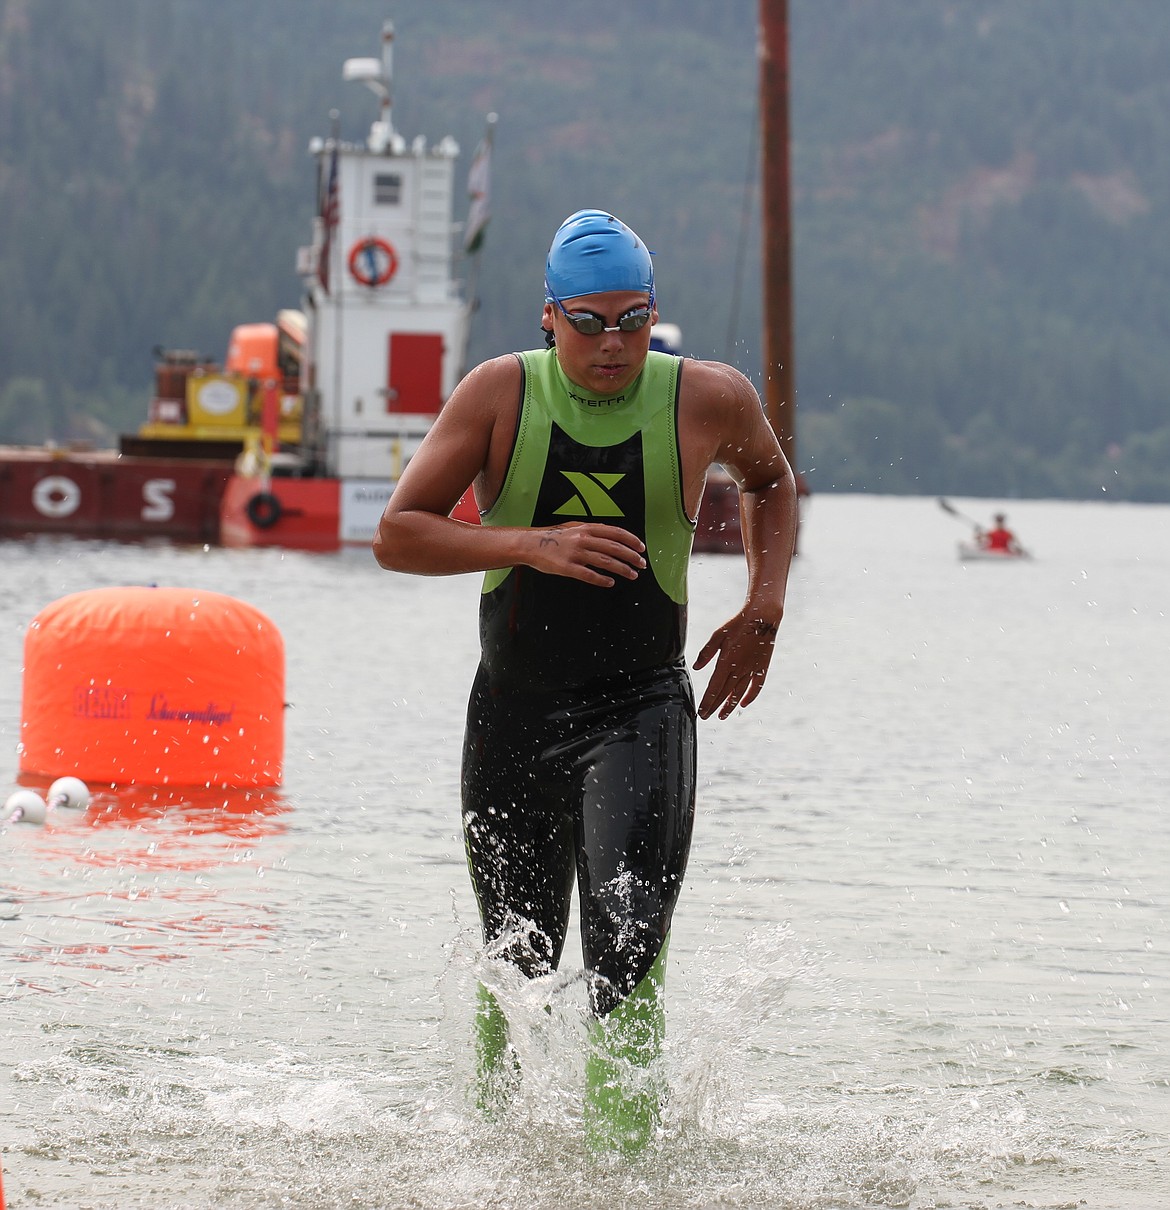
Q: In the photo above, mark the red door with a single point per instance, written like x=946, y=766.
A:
x=415, y=373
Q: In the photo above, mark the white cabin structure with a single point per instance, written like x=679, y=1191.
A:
x=387, y=323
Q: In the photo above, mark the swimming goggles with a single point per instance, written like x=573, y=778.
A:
x=589, y=324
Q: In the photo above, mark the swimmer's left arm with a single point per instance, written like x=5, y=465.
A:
x=768, y=515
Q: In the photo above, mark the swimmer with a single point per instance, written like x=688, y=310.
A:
x=588, y=459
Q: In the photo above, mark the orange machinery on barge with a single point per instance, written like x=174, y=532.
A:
x=166, y=481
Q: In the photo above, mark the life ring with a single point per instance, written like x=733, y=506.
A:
x=264, y=510
x=373, y=261
x=56, y=496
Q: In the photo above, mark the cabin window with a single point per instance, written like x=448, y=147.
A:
x=387, y=189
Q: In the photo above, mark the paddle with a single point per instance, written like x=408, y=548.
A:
x=948, y=507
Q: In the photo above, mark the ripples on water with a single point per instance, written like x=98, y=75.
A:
x=921, y=959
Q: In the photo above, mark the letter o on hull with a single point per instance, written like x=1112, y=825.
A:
x=56, y=496
x=153, y=686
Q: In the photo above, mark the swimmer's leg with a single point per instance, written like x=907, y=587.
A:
x=518, y=835
x=623, y=1091
x=636, y=819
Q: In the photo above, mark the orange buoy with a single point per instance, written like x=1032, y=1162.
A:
x=153, y=686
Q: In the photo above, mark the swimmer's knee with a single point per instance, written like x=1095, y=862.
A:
x=641, y=981
x=523, y=944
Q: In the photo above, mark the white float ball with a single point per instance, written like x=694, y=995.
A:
x=69, y=792
x=25, y=806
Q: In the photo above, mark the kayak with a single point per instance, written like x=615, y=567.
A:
x=970, y=552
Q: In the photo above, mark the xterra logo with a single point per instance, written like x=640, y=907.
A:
x=590, y=496
x=597, y=403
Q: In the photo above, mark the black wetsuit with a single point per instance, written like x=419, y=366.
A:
x=579, y=758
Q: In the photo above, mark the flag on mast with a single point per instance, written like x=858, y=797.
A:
x=330, y=214
x=479, y=190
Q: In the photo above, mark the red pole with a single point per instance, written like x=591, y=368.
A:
x=779, y=368
x=270, y=418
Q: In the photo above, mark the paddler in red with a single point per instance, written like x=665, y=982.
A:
x=1000, y=537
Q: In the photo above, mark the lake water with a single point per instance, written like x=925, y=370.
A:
x=921, y=958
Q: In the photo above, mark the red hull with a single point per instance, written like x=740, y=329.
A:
x=119, y=497
x=307, y=515
x=304, y=514
x=103, y=494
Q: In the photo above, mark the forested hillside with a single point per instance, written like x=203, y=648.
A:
x=981, y=204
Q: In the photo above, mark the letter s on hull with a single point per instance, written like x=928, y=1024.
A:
x=157, y=502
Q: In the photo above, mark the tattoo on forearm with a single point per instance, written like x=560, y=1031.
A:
x=766, y=629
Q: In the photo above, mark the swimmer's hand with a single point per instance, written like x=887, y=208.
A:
x=745, y=647
x=587, y=551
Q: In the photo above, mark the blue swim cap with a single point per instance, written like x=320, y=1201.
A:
x=593, y=252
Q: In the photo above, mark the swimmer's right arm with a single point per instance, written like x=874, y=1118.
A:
x=466, y=444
